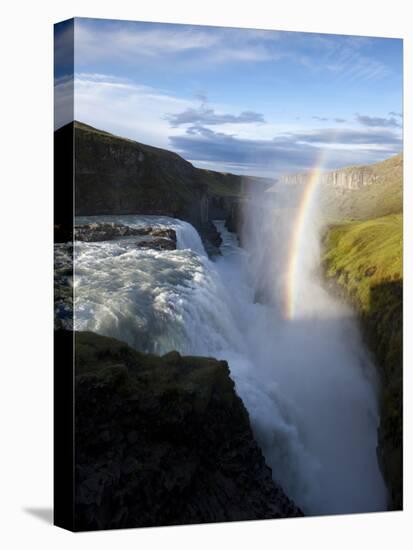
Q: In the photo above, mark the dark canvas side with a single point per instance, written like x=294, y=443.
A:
x=63, y=233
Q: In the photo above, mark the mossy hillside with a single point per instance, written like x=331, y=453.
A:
x=364, y=260
x=223, y=184
x=363, y=255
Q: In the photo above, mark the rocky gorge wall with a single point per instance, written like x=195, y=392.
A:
x=120, y=176
x=114, y=175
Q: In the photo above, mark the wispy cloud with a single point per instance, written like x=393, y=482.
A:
x=139, y=80
x=63, y=100
x=377, y=122
x=98, y=83
x=133, y=43
x=346, y=58
x=133, y=110
x=64, y=48
x=208, y=117
x=130, y=42
x=126, y=40
x=286, y=152
x=349, y=136
x=326, y=119
x=118, y=105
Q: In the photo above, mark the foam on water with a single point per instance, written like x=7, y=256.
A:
x=303, y=401
x=187, y=236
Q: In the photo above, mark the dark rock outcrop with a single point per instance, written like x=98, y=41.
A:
x=157, y=238
x=234, y=220
x=383, y=329
x=164, y=441
x=157, y=243
x=211, y=239
x=63, y=285
x=95, y=232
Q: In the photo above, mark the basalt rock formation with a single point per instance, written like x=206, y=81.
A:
x=164, y=441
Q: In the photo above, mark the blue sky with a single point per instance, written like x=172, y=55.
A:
x=237, y=100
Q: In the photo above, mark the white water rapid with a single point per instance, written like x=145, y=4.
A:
x=307, y=383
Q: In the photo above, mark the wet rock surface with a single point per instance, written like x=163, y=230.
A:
x=95, y=232
x=164, y=441
x=157, y=243
x=211, y=239
x=157, y=238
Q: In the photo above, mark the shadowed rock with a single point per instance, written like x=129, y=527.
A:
x=158, y=238
x=95, y=232
x=157, y=244
x=164, y=441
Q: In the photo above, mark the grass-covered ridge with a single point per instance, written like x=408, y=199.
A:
x=362, y=255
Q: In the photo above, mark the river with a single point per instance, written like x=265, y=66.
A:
x=307, y=382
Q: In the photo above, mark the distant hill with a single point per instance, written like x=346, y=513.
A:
x=380, y=194
x=357, y=192
x=115, y=175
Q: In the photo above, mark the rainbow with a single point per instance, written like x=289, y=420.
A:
x=297, y=241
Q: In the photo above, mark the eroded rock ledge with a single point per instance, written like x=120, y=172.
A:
x=164, y=441
x=157, y=238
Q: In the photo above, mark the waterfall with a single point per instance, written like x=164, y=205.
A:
x=308, y=385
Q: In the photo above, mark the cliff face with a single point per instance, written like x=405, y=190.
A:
x=120, y=176
x=114, y=175
x=358, y=192
x=353, y=177
x=164, y=441
x=347, y=178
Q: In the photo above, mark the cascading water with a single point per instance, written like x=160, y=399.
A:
x=307, y=384
x=311, y=347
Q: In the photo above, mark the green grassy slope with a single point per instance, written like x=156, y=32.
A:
x=223, y=185
x=363, y=261
x=362, y=255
